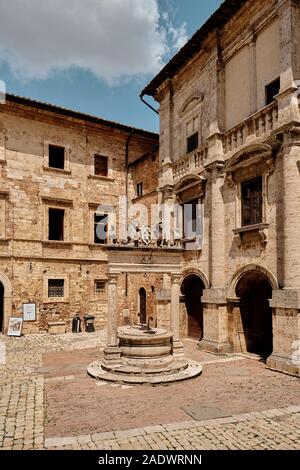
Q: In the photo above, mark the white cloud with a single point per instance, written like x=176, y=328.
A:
x=114, y=39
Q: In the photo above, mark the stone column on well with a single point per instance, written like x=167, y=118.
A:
x=112, y=352
x=175, y=297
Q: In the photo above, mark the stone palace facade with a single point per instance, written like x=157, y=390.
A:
x=229, y=149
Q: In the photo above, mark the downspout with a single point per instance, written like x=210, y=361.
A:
x=147, y=104
x=129, y=137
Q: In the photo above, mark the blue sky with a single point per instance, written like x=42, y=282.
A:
x=82, y=66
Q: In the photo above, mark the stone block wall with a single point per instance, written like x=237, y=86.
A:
x=28, y=187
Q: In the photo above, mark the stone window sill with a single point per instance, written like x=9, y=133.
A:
x=98, y=245
x=56, y=300
x=102, y=178
x=261, y=229
x=56, y=244
x=57, y=171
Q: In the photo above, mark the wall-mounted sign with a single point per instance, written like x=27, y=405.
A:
x=29, y=312
x=15, y=327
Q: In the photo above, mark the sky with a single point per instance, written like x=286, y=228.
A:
x=94, y=56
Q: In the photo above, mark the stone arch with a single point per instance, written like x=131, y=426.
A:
x=196, y=272
x=231, y=294
x=193, y=283
x=195, y=99
x=7, y=301
x=264, y=150
x=188, y=180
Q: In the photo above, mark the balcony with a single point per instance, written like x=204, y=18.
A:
x=257, y=127
x=191, y=163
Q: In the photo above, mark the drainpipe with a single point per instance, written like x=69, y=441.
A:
x=129, y=137
x=147, y=104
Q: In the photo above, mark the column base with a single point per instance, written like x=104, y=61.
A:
x=178, y=349
x=283, y=364
x=207, y=345
x=112, y=355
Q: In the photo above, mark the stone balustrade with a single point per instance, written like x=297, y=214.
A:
x=257, y=126
x=190, y=163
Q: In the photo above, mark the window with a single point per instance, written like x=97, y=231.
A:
x=99, y=287
x=192, y=142
x=139, y=189
x=252, y=202
x=272, y=90
x=56, y=157
x=56, y=224
x=100, y=165
x=56, y=288
x=190, y=216
x=100, y=228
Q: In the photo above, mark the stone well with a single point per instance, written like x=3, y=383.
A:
x=145, y=356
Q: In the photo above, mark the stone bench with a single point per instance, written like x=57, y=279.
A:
x=57, y=327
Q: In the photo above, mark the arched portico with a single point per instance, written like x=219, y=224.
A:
x=251, y=290
x=231, y=292
x=193, y=284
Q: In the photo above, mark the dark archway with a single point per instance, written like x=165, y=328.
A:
x=1, y=307
x=192, y=289
x=255, y=291
x=143, y=306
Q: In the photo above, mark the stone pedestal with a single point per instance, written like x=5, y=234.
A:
x=286, y=332
x=57, y=327
x=215, y=322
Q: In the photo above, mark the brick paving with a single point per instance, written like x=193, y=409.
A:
x=48, y=402
x=22, y=410
x=252, y=431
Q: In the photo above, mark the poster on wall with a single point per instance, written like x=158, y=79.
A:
x=15, y=327
x=29, y=312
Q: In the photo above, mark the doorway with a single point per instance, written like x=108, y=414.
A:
x=1, y=307
x=143, y=305
x=255, y=291
x=192, y=289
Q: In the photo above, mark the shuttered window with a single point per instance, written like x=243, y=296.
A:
x=101, y=165
x=252, y=202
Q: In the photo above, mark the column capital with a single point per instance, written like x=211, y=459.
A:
x=175, y=278
x=112, y=278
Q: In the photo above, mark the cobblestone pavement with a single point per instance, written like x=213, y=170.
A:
x=22, y=388
x=41, y=367
x=277, y=429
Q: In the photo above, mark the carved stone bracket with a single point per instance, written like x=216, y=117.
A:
x=261, y=229
x=230, y=180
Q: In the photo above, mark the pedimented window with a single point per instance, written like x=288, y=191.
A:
x=247, y=174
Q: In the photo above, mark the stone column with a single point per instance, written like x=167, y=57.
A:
x=216, y=227
x=112, y=352
x=253, y=75
x=288, y=108
x=175, y=296
x=215, y=322
x=286, y=332
x=166, y=156
x=288, y=203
